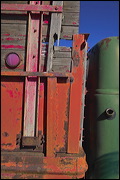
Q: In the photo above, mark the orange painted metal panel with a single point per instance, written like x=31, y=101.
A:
x=51, y=116
x=11, y=111
x=76, y=92
x=62, y=109
x=57, y=115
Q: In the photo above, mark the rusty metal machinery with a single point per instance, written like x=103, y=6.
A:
x=43, y=90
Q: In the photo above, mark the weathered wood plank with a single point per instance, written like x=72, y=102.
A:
x=68, y=31
x=14, y=19
x=22, y=19
x=15, y=12
x=68, y=6
x=14, y=29
x=71, y=6
x=20, y=31
x=61, y=54
x=70, y=19
x=15, y=2
x=70, y=9
x=62, y=61
x=62, y=48
x=64, y=68
x=47, y=2
x=13, y=41
x=55, y=28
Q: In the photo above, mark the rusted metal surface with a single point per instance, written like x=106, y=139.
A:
x=11, y=108
x=51, y=116
x=41, y=74
x=76, y=91
x=21, y=164
x=32, y=141
x=45, y=143
x=31, y=7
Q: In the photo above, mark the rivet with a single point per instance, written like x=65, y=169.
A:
x=56, y=8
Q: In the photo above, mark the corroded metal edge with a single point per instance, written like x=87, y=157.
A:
x=20, y=165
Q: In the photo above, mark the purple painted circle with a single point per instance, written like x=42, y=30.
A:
x=12, y=60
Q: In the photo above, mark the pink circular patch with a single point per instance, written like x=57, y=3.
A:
x=12, y=60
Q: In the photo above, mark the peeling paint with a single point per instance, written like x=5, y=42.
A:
x=12, y=46
x=10, y=93
x=74, y=23
x=12, y=39
x=46, y=22
x=105, y=42
x=5, y=134
x=6, y=34
x=3, y=85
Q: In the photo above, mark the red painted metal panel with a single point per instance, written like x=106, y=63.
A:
x=76, y=92
x=31, y=7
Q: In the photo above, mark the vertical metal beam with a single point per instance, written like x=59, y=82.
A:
x=31, y=65
x=76, y=101
x=51, y=116
x=55, y=29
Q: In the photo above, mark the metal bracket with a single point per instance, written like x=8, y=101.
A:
x=33, y=141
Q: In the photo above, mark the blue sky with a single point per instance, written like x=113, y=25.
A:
x=100, y=19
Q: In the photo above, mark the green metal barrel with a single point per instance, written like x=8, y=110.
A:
x=102, y=110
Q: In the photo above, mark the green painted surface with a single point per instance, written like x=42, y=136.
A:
x=104, y=64
x=103, y=93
